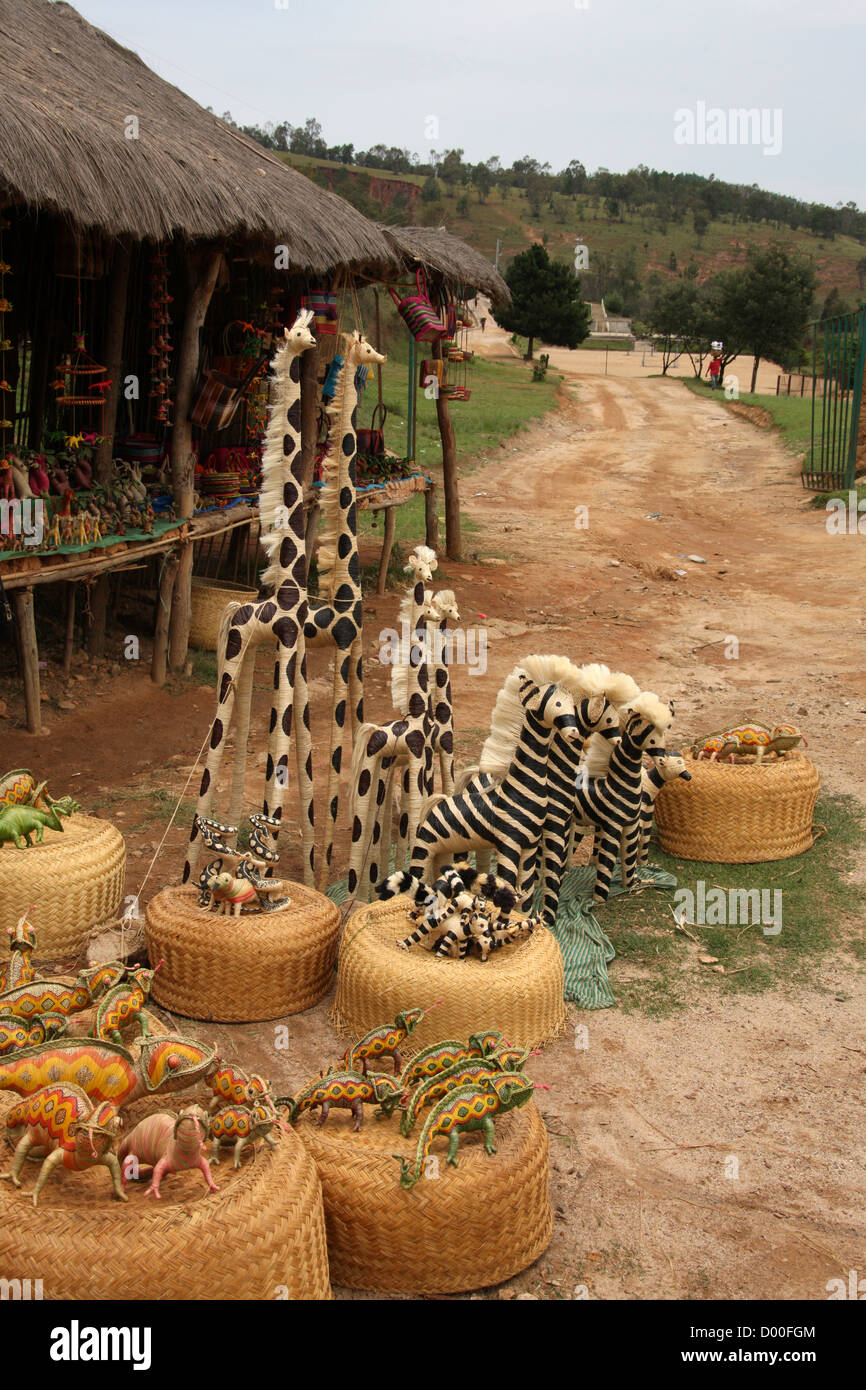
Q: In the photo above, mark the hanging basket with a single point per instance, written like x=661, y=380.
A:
x=243, y=969
x=262, y=1236
x=739, y=813
x=209, y=599
x=460, y=1228
x=518, y=991
x=73, y=882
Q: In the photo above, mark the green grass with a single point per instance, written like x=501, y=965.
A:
x=822, y=910
x=607, y=345
x=820, y=499
x=792, y=416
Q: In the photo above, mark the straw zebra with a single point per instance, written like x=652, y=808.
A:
x=612, y=803
x=653, y=779
x=504, y=807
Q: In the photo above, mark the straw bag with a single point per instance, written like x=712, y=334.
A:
x=418, y=313
x=372, y=441
x=220, y=395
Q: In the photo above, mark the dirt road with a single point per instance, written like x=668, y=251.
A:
x=644, y=1120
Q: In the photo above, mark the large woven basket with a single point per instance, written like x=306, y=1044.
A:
x=739, y=813
x=73, y=881
x=518, y=991
x=460, y=1228
x=261, y=1236
x=241, y=969
x=208, y=603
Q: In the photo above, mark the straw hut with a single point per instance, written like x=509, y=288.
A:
x=98, y=156
x=449, y=259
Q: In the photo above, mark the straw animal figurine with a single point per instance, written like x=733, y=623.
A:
x=748, y=739
x=124, y=1003
x=232, y=1085
x=19, y=969
x=467, y=1073
x=664, y=769
x=108, y=1071
x=385, y=1040
x=168, y=1143
x=462, y=1111
x=347, y=1089
x=77, y=1131
x=15, y=1034
x=441, y=1056
x=242, y=1126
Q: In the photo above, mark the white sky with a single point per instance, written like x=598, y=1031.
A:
x=547, y=78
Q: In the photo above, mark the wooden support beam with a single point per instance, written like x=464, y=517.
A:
x=28, y=651
x=163, y=612
x=118, y=284
x=98, y=615
x=203, y=266
x=387, y=547
x=449, y=471
x=70, y=628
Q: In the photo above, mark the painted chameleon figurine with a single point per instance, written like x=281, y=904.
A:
x=440, y=1056
x=19, y=969
x=241, y=1126
x=348, y=1089
x=432, y=1088
x=460, y=1112
x=60, y=995
x=123, y=1003
x=15, y=1033
x=77, y=1132
x=168, y=1143
x=385, y=1040
x=234, y=1086
x=107, y=1071
x=18, y=824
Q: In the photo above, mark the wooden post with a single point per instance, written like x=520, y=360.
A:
x=387, y=547
x=449, y=471
x=309, y=414
x=70, y=627
x=163, y=611
x=202, y=270
x=118, y=285
x=98, y=613
x=28, y=652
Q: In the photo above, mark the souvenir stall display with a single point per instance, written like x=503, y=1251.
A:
x=447, y=1189
x=750, y=797
x=67, y=867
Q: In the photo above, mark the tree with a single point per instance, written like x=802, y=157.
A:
x=451, y=168
x=701, y=222
x=430, y=191
x=546, y=301
x=776, y=298
x=483, y=180
x=672, y=319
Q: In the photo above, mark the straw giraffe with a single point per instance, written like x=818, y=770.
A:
x=278, y=617
x=338, y=616
x=378, y=746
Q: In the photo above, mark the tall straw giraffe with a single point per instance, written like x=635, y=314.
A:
x=377, y=747
x=338, y=615
x=278, y=617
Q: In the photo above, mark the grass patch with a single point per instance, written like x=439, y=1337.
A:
x=821, y=911
x=792, y=417
x=820, y=499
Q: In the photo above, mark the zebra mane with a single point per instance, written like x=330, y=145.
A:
x=650, y=707
x=596, y=755
x=274, y=470
x=508, y=717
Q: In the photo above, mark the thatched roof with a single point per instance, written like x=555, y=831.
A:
x=456, y=262
x=67, y=89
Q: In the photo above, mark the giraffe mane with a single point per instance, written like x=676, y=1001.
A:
x=506, y=724
x=334, y=471
x=274, y=471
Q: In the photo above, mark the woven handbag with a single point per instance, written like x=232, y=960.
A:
x=372, y=441
x=220, y=395
x=418, y=313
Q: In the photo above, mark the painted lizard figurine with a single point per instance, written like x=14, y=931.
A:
x=15, y=1033
x=238, y=1125
x=123, y=1003
x=467, y=1073
x=460, y=1112
x=61, y=995
x=234, y=1085
x=107, y=1071
x=77, y=1133
x=347, y=1089
x=385, y=1040
x=168, y=1143
x=440, y=1056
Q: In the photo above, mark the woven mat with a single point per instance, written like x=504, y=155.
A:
x=586, y=948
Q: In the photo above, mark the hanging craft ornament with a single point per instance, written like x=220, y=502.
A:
x=7, y=394
x=418, y=313
x=161, y=346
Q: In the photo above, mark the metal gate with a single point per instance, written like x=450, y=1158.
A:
x=838, y=357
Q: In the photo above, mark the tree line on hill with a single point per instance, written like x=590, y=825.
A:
x=669, y=198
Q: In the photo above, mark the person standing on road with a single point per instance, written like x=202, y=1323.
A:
x=715, y=372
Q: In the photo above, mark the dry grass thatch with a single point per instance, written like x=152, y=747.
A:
x=67, y=91
x=445, y=255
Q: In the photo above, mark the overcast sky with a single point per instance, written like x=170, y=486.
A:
x=603, y=81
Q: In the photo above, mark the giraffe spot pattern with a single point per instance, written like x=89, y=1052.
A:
x=225, y=687
x=399, y=727
x=348, y=445
x=380, y=793
x=205, y=783
x=446, y=742
x=233, y=646
x=415, y=742
x=340, y=713
x=287, y=595
x=343, y=632
x=295, y=368
x=443, y=712
x=288, y=551
x=287, y=721
x=273, y=723
x=293, y=416
x=345, y=499
x=242, y=615
x=269, y=769
x=417, y=705
x=288, y=447
x=286, y=631
x=344, y=545
x=404, y=825
x=216, y=733
x=364, y=782
x=356, y=830
x=377, y=741
x=268, y=611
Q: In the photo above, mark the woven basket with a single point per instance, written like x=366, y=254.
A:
x=739, y=813
x=261, y=1236
x=469, y=1227
x=73, y=881
x=518, y=991
x=209, y=599
x=241, y=969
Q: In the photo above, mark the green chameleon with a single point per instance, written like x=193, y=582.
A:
x=18, y=823
x=461, y=1111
